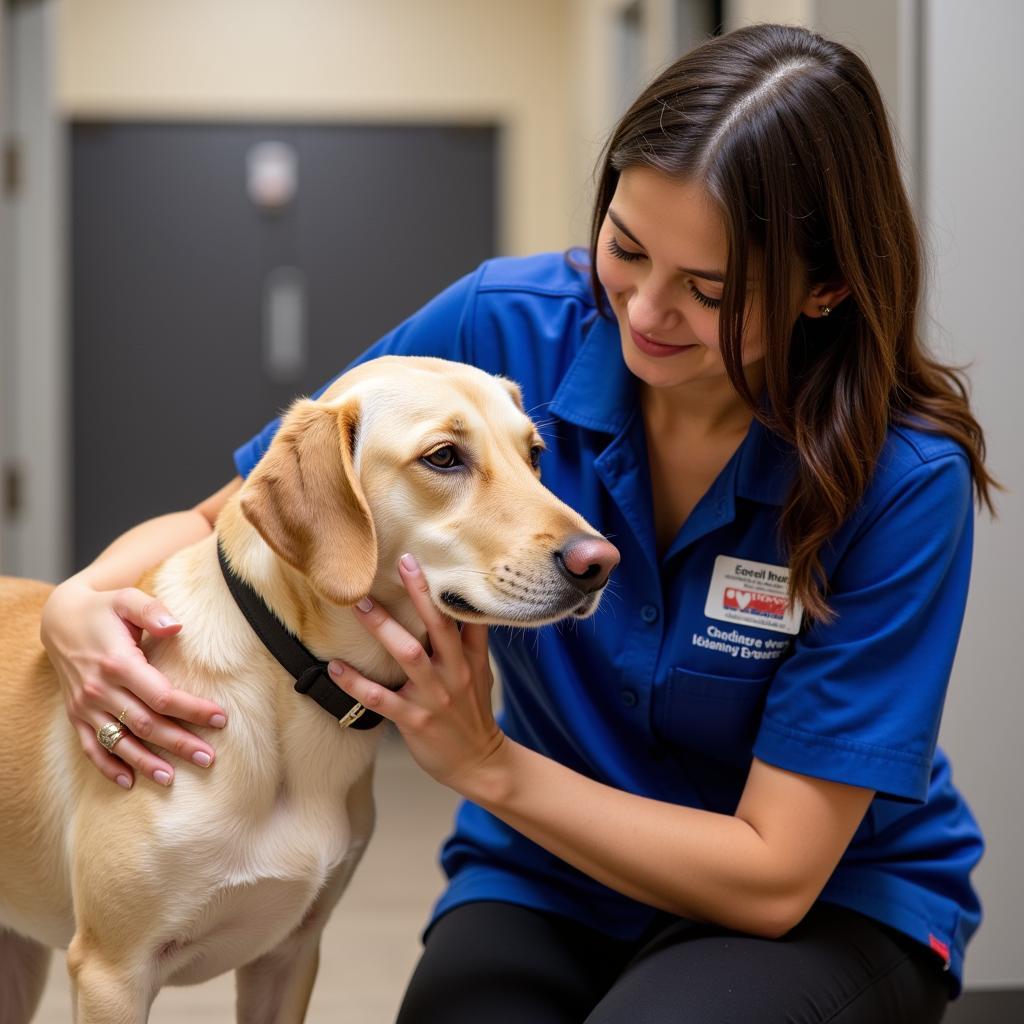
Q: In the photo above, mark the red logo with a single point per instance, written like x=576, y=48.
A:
x=754, y=602
x=939, y=946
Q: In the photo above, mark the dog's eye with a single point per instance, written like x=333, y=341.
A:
x=446, y=457
x=535, y=455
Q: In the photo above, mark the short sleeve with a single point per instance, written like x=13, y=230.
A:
x=442, y=328
x=859, y=700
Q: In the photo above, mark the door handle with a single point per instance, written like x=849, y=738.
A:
x=285, y=344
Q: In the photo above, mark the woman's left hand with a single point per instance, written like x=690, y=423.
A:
x=443, y=710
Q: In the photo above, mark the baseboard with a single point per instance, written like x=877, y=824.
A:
x=988, y=1006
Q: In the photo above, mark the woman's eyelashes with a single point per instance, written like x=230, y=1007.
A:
x=623, y=254
x=704, y=300
x=626, y=256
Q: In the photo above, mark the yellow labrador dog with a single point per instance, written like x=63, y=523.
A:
x=238, y=867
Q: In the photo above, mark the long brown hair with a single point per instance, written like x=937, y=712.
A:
x=788, y=133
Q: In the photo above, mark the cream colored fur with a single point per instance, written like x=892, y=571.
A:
x=237, y=867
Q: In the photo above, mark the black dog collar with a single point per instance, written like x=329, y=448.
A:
x=309, y=673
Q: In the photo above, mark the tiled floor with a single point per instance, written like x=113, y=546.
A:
x=371, y=942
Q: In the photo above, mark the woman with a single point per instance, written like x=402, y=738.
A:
x=723, y=801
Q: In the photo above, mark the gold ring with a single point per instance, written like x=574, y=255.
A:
x=121, y=718
x=110, y=735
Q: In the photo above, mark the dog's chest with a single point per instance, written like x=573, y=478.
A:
x=237, y=925
x=259, y=856
x=283, y=809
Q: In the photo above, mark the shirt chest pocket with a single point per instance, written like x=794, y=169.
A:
x=715, y=716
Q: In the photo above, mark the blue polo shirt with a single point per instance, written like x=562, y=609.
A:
x=693, y=664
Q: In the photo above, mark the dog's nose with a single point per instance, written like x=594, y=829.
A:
x=587, y=561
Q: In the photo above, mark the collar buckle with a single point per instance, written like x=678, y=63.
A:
x=354, y=713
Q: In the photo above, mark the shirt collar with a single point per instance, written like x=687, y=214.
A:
x=766, y=466
x=599, y=392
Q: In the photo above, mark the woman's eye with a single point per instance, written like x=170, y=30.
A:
x=704, y=300
x=622, y=254
x=535, y=455
x=446, y=457
x=631, y=257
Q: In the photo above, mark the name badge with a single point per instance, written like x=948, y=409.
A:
x=752, y=594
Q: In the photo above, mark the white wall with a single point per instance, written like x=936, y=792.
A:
x=6, y=269
x=883, y=32
x=953, y=82
x=974, y=152
x=37, y=540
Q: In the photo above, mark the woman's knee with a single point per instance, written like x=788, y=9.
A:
x=835, y=963
x=498, y=962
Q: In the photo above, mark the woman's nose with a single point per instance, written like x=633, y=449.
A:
x=652, y=312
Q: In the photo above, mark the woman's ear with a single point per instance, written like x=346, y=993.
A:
x=306, y=502
x=824, y=296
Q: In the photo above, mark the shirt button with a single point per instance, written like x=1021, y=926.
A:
x=649, y=613
x=629, y=698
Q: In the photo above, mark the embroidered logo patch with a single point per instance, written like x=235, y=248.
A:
x=752, y=594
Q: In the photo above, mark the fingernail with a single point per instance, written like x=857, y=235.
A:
x=335, y=668
x=166, y=620
x=123, y=780
x=218, y=721
x=164, y=778
x=409, y=562
x=202, y=758
x=364, y=605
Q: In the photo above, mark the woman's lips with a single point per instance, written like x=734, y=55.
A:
x=656, y=348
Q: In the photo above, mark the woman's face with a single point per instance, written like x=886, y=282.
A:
x=661, y=257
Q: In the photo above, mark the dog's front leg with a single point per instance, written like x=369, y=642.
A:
x=105, y=990
x=275, y=989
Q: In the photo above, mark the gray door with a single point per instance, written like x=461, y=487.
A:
x=173, y=263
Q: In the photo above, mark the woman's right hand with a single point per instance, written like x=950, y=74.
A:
x=92, y=638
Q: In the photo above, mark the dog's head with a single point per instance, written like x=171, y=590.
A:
x=408, y=454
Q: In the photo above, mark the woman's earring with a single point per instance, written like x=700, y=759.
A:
x=824, y=310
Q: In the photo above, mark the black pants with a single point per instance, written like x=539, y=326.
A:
x=496, y=963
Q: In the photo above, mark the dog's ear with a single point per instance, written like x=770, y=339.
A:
x=306, y=501
x=514, y=391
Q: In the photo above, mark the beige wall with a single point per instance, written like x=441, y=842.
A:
x=784, y=12
x=391, y=60
x=545, y=69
